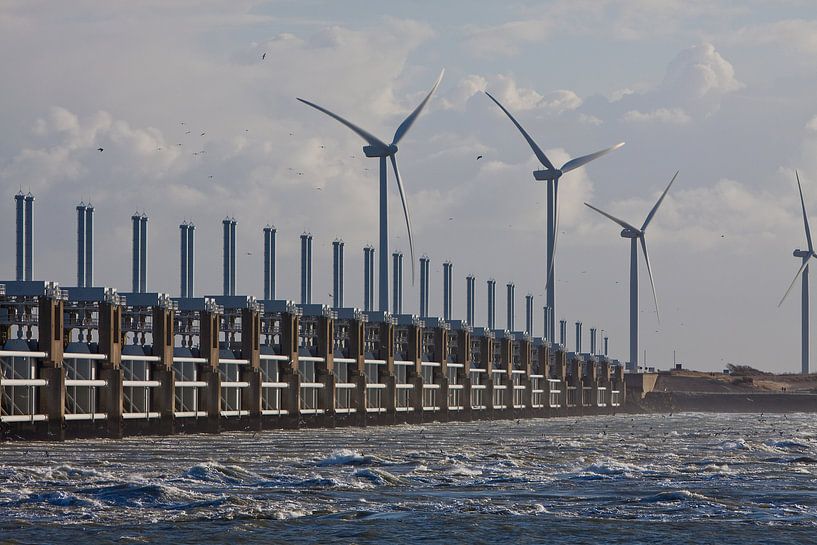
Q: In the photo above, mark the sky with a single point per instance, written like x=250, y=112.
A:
x=721, y=91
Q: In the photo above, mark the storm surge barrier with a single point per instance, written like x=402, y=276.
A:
x=92, y=362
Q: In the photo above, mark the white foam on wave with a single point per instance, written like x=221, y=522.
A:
x=460, y=470
x=376, y=476
x=737, y=444
x=216, y=472
x=611, y=469
x=345, y=456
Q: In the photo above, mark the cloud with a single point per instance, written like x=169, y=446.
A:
x=513, y=96
x=694, y=85
x=506, y=39
x=792, y=35
x=698, y=73
x=812, y=124
x=671, y=116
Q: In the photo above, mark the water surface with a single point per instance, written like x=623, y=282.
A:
x=691, y=478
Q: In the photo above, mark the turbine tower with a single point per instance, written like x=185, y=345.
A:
x=636, y=236
x=551, y=174
x=805, y=255
x=377, y=148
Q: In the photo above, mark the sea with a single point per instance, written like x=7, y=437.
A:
x=660, y=478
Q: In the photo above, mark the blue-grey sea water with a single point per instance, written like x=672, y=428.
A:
x=690, y=478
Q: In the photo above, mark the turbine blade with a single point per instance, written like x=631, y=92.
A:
x=367, y=136
x=805, y=216
x=550, y=277
x=649, y=271
x=536, y=149
x=405, y=212
x=796, y=276
x=573, y=164
x=623, y=223
x=409, y=121
x=660, y=200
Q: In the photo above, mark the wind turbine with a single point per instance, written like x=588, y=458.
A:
x=552, y=174
x=377, y=148
x=805, y=255
x=636, y=236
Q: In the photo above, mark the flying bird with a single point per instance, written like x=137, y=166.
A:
x=187, y=132
x=205, y=132
x=264, y=56
x=99, y=149
x=479, y=157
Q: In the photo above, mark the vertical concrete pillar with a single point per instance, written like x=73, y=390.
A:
x=325, y=373
x=386, y=352
x=487, y=351
x=414, y=373
x=543, y=365
x=440, y=374
x=251, y=350
x=52, y=400
x=54, y=396
x=209, y=330
x=291, y=397
x=526, y=354
x=110, y=337
x=463, y=356
x=356, y=352
x=163, y=398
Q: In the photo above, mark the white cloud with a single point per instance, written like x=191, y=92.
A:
x=671, y=116
x=588, y=119
x=812, y=124
x=792, y=35
x=505, y=39
x=700, y=72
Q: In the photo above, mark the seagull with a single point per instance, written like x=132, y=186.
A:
x=264, y=56
x=205, y=132
x=319, y=188
x=99, y=149
x=479, y=157
x=249, y=253
x=210, y=176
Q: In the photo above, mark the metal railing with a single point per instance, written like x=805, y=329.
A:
x=537, y=393
x=554, y=393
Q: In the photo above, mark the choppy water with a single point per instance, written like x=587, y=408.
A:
x=693, y=478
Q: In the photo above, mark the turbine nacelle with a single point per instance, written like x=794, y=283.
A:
x=802, y=253
x=630, y=233
x=547, y=175
x=379, y=151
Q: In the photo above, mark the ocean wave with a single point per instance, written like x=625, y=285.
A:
x=379, y=477
x=346, y=457
x=60, y=498
x=610, y=470
x=219, y=473
x=672, y=496
x=152, y=495
x=737, y=444
x=787, y=444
